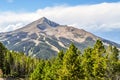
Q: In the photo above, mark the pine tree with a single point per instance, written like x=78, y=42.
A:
x=115, y=54
x=99, y=65
x=2, y=55
x=114, y=63
x=70, y=68
x=87, y=63
x=38, y=72
x=99, y=48
x=57, y=65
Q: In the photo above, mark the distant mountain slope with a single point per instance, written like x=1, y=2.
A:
x=44, y=38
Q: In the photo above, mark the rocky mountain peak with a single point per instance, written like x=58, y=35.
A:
x=38, y=25
x=43, y=38
x=44, y=20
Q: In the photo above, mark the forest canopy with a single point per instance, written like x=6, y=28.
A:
x=95, y=63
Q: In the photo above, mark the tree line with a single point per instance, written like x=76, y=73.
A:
x=15, y=64
x=95, y=63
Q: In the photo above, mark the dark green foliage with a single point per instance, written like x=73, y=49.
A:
x=97, y=63
x=71, y=64
x=2, y=56
x=64, y=66
x=87, y=63
x=38, y=72
x=115, y=54
x=16, y=64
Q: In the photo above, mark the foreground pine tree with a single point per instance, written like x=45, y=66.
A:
x=2, y=57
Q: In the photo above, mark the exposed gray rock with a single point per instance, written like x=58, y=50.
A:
x=44, y=38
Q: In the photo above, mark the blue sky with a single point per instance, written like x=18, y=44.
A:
x=32, y=5
x=101, y=17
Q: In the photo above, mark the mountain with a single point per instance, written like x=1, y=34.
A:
x=44, y=38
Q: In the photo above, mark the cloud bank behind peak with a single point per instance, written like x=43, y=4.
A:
x=94, y=17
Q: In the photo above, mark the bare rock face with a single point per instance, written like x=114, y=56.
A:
x=44, y=38
x=38, y=25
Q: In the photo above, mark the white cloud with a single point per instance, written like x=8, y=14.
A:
x=102, y=17
x=13, y=26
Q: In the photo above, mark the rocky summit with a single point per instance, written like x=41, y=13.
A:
x=44, y=38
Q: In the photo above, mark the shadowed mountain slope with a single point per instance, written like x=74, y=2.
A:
x=44, y=38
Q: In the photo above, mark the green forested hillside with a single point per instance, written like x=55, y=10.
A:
x=14, y=64
x=96, y=63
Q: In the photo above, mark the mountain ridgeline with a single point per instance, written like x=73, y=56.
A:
x=44, y=38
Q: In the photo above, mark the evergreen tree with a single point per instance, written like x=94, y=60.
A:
x=99, y=65
x=2, y=56
x=70, y=69
x=114, y=63
x=99, y=48
x=95, y=63
x=57, y=65
x=87, y=63
x=115, y=54
x=38, y=72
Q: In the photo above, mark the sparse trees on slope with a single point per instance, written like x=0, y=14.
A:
x=15, y=64
x=114, y=63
